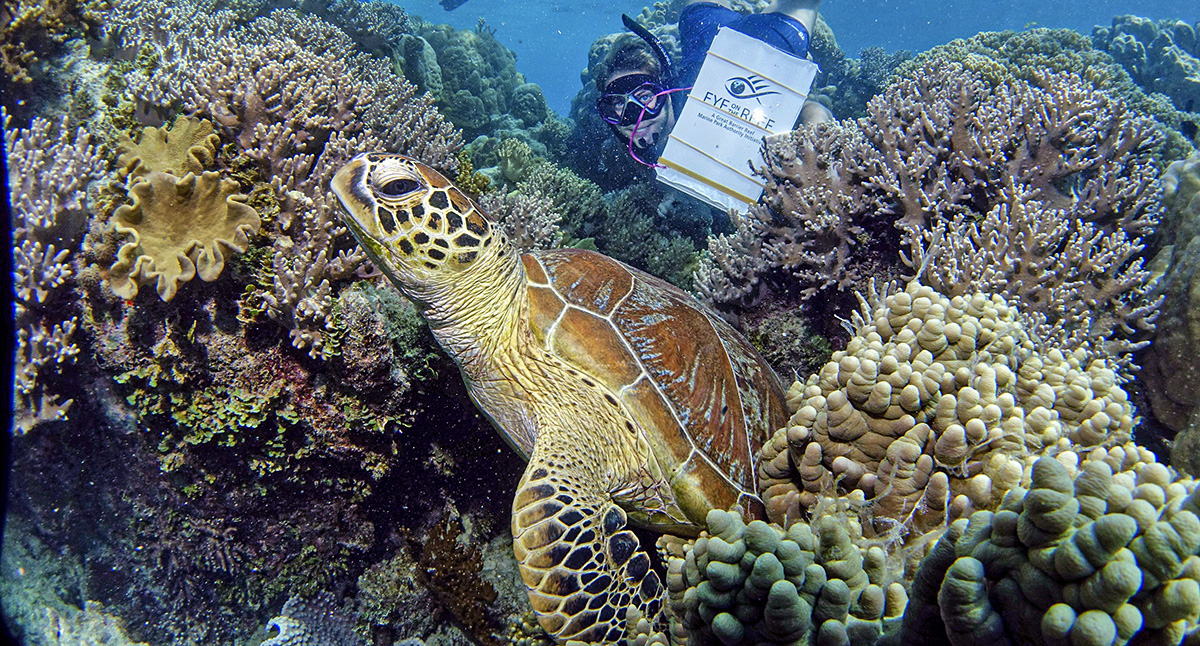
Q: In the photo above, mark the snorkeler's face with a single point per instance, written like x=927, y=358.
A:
x=628, y=104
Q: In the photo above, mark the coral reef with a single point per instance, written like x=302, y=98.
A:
x=295, y=133
x=1171, y=365
x=931, y=407
x=1032, y=54
x=1161, y=56
x=1042, y=193
x=313, y=622
x=49, y=168
x=1092, y=548
x=472, y=77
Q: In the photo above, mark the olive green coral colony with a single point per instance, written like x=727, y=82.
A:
x=1005, y=252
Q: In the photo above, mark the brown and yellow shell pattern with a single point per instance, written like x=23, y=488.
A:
x=698, y=388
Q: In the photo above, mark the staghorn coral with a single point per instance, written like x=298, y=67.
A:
x=934, y=408
x=1005, y=174
x=179, y=228
x=49, y=169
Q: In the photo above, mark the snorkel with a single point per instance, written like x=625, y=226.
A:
x=668, y=80
x=655, y=46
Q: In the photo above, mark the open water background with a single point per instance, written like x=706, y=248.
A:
x=551, y=37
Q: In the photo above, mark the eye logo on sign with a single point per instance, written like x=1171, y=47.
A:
x=748, y=87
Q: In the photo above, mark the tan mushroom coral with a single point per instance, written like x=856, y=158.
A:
x=935, y=408
x=188, y=146
x=179, y=227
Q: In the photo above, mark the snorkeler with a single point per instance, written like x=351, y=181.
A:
x=637, y=79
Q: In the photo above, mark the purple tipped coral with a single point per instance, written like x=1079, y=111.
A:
x=1041, y=192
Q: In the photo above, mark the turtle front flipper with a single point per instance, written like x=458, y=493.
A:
x=587, y=577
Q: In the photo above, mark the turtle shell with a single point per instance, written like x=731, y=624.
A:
x=705, y=397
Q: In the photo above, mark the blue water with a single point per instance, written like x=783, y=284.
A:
x=551, y=37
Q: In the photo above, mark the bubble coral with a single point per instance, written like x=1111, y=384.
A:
x=935, y=408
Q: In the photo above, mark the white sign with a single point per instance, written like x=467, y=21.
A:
x=746, y=90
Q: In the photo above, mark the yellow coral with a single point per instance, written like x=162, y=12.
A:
x=188, y=146
x=935, y=408
x=178, y=228
x=469, y=180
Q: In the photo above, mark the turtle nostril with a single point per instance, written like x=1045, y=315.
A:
x=398, y=187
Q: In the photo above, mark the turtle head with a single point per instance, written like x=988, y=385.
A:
x=414, y=224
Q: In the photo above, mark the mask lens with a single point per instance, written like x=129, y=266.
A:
x=624, y=99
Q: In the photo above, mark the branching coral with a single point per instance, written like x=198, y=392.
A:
x=299, y=105
x=530, y=221
x=49, y=168
x=1048, y=190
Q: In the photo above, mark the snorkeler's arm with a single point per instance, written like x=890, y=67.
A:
x=803, y=10
x=814, y=112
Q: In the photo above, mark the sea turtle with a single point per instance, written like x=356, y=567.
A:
x=631, y=401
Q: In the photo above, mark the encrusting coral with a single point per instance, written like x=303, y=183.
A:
x=1171, y=365
x=1044, y=192
x=313, y=622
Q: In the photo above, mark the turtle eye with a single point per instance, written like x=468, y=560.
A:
x=398, y=187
